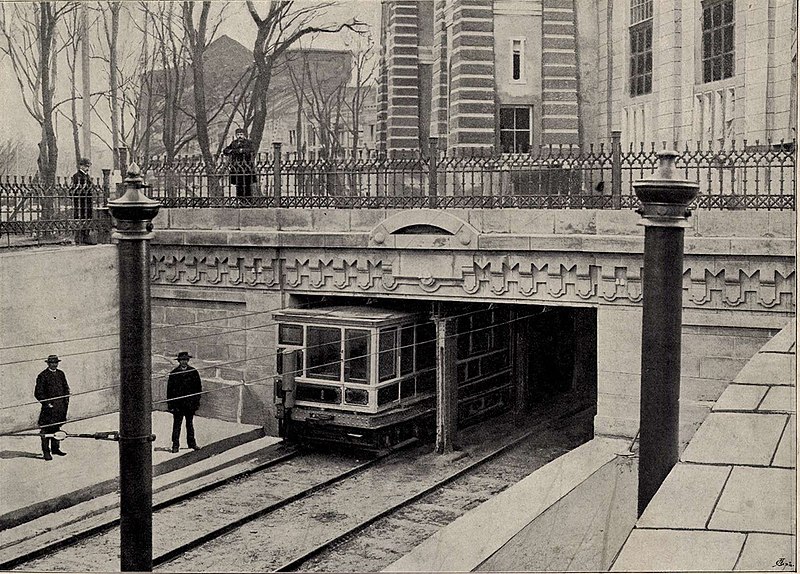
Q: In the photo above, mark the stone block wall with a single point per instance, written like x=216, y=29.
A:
x=714, y=348
x=231, y=337
x=63, y=301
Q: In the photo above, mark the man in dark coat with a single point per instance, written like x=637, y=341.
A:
x=183, y=399
x=81, y=191
x=52, y=391
x=240, y=154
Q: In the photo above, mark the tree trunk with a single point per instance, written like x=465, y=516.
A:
x=48, y=148
x=87, y=83
x=260, y=89
x=113, y=81
x=197, y=39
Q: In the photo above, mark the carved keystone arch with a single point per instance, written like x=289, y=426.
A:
x=424, y=229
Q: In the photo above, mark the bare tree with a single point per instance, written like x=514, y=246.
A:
x=321, y=92
x=277, y=31
x=74, y=46
x=15, y=157
x=31, y=32
x=364, y=66
x=111, y=28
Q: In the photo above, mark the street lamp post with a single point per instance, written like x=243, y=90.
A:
x=665, y=199
x=133, y=213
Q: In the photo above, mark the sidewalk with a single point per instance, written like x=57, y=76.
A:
x=31, y=487
x=730, y=503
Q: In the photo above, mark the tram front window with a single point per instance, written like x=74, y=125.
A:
x=324, y=353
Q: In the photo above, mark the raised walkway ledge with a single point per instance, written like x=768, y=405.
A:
x=728, y=505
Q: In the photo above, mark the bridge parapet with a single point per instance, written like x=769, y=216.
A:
x=738, y=282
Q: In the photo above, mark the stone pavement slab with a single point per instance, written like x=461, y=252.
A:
x=768, y=369
x=687, y=498
x=29, y=485
x=757, y=500
x=786, y=455
x=736, y=438
x=783, y=342
x=679, y=551
x=763, y=552
x=740, y=398
x=779, y=399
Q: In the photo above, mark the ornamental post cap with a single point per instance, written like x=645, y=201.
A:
x=134, y=205
x=666, y=186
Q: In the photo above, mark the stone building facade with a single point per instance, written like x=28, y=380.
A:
x=511, y=75
x=690, y=70
x=478, y=74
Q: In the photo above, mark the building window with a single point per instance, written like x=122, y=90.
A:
x=518, y=61
x=717, y=40
x=292, y=137
x=515, y=129
x=641, y=33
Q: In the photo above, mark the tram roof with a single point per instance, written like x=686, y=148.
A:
x=347, y=314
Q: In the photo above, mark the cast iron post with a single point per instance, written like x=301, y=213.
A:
x=134, y=213
x=433, y=170
x=276, y=172
x=665, y=199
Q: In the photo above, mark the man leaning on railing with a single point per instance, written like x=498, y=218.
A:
x=82, y=201
x=240, y=154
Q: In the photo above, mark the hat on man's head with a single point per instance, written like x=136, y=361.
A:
x=183, y=355
x=53, y=359
x=85, y=161
x=241, y=131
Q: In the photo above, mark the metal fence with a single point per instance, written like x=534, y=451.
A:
x=736, y=176
x=744, y=176
x=29, y=207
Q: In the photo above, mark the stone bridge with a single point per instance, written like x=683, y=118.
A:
x=218, y=273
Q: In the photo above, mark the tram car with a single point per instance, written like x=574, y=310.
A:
x=366, y=377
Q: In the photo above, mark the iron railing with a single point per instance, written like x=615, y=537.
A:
x=30, y=207
x=733, y=176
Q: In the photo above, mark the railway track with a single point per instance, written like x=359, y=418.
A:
x=292, y=511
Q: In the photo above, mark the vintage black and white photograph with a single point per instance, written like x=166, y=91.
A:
x=398, y=285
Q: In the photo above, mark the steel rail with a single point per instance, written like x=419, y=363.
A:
x=295, y=563
x=112, y=522
x=272, y=507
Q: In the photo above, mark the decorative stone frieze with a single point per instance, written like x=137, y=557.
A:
x=761, y=283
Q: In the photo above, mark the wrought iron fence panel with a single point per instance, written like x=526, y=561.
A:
x=28, y=206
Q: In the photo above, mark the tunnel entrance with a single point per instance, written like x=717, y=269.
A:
x=505, y=362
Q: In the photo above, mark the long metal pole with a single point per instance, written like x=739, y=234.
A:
x=134, y=213
x=665, y=198
x=135, y=450
x=662, y=300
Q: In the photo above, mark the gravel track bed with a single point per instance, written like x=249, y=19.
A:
x=277, y=538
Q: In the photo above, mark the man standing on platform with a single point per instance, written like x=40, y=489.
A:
x=52, y=391
x=183, y=399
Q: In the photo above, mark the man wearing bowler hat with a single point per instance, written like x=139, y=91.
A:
x=52, y=391
x=183, y=399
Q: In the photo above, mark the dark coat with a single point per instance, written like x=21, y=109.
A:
x=181, y=383
x=81, y=195
x=49, y=385
x=240, y=154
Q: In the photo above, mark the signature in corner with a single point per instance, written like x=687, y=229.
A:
x=784, y=564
